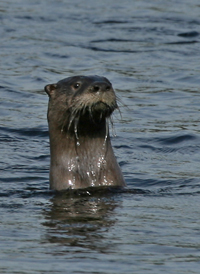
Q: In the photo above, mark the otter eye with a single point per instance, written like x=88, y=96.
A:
x=76, y=86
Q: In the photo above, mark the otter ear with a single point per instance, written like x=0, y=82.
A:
x=50, y=89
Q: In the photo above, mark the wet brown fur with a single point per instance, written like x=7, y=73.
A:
x=81, y=151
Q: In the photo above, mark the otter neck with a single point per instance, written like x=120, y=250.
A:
x=80, y=155
x=80, y=137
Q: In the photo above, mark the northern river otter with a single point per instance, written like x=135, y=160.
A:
x=81, y=151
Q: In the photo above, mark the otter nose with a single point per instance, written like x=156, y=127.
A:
x=101, y=87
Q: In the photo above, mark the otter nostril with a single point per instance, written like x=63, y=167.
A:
x=101, y=87
x=96, y=88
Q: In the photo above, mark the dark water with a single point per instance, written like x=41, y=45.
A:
x=150, y=51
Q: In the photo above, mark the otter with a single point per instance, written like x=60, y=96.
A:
x=81, y=152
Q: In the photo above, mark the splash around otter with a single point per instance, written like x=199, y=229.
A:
x=80, y=147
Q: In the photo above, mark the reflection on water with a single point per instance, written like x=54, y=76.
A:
x=80, y=221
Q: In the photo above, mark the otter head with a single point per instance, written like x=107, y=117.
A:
x=80, y=101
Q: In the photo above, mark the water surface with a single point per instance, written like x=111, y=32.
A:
x=149, y=51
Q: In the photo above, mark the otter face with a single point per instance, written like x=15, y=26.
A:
x=88, y=97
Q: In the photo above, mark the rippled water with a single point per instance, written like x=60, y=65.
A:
x=150, y=51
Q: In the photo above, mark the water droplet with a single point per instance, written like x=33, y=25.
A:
x=77, y=143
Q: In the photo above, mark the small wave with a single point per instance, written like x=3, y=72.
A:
x=176, y=139
x=27, y=193
x=182, y=42
x=33, y=132
x=189, y=34
x=167, y=149
x=111, y=40
x=171, y=187
x=113, y=50
x=110, y=22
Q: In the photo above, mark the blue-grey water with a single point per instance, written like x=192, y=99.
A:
x=150, y=51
